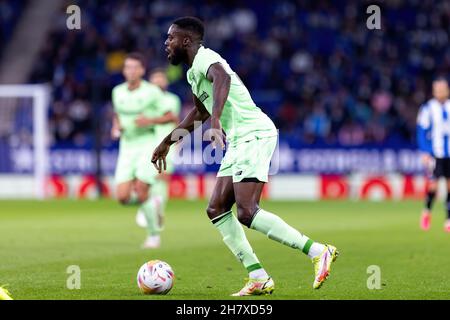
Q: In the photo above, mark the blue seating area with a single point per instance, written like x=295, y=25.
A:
x=10, y=11
x=313, y=66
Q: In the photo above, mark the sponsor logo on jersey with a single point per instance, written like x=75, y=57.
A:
x=203, y=96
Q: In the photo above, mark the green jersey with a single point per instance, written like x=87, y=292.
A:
x=170, y=103
x=241, y=119
x=145, y=100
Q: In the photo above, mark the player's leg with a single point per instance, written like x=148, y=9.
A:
x=124, y=177
x=252, y=172
x=431, y=194
x=160, y=196
x=431, y=171
x=150, y=211
x=221, y=215
x=425, y=219
x=447, y=207
x=146, y=177
x=248, y=193
x=123, y=192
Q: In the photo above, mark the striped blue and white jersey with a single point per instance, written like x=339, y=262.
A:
x=433, y=128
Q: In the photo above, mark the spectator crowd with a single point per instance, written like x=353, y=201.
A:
x=314, y=66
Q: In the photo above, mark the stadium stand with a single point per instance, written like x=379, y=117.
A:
x=313, y=66
x=9, y=15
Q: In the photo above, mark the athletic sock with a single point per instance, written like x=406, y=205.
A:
x=160, y=194
x=429, y=199
x=258, y=274
x=160, y=190
x=133, y=201
x=234, y=237
x=151, y=215
x=276, y=229
x=316, y=249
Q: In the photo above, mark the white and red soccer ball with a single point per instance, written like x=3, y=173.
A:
x=155, y=277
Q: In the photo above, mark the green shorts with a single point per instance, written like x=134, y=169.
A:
x=249, y=159
x=135, y=163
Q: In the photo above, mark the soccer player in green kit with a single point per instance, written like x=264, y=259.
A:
x=219, y=95
x=139, y=108
x=172, y=107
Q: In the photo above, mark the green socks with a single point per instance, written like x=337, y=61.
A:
x=133, y=200
x=154, y=207
x=271, y=225
x=234, y=237
x=149, y=208
x=276, y=229
x=160, y=191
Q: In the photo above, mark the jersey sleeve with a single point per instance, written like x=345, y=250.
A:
x=175, y=105
x=423, y=128
x=170, y=103
x=114, y=98
x=156, y=97
x=207, y=58
x=423, y=118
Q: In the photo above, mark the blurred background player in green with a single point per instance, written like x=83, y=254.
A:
x=170, y=110
x=138, y=109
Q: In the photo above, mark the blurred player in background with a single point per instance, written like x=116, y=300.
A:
x=138, y=109
x=170, y=110
x=220, y=95
x=433, y=138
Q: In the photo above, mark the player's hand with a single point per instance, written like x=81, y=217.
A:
x=159, y=157
x=115, y=132
x=426, y=159
x=141, y=121
x=215, y=134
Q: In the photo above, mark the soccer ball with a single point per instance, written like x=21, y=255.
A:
x=155, y=277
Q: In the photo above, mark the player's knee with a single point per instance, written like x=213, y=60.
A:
x=210, y=211
x=432, y=187
x=142, y=192
x=448, y=186
x=123, y=199
x=245, y=214
x=215, y=209
x=142, y=195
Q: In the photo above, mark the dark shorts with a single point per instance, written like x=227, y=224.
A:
x=442, y=168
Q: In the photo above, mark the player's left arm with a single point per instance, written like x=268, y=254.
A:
x=424, y=122
x=168, y=117
x=221, y=81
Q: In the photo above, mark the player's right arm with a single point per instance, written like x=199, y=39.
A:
x=116, y=128
x=194, y=118
x=168, y=117
x=422, y=130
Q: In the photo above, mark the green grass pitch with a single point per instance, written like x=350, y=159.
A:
x=39, y=240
